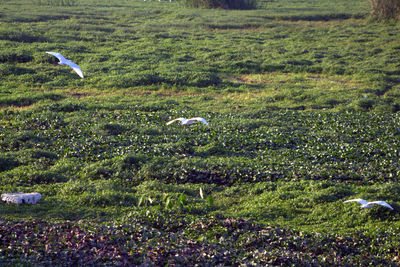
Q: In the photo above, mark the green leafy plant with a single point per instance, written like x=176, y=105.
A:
x=144, y=201
x=172, y=200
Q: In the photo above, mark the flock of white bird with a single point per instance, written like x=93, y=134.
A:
x=63, y=61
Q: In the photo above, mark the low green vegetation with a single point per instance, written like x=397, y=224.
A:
x=302, y=98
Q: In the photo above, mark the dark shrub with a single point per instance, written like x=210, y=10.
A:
x=385, y=9
x=225, y=4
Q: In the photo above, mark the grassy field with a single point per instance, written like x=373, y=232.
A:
x=302, y=98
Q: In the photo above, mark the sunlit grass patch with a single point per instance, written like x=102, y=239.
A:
x=306, y=91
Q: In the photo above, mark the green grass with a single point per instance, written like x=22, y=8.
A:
x=302, y=101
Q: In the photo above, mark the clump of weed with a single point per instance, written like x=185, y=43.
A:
x=385, y=9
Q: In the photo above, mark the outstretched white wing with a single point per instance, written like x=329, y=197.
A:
x=75, y=67
x=359, y=200
x=382, y=203
x=199, y=119
x=178, y=119
x=57, y=55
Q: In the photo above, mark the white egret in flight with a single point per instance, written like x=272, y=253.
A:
x=68, y=62
x=188, y=121
x=366, y=204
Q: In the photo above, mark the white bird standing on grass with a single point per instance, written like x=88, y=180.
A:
x=68, y=62
x=188, y=121
x=366, y=205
